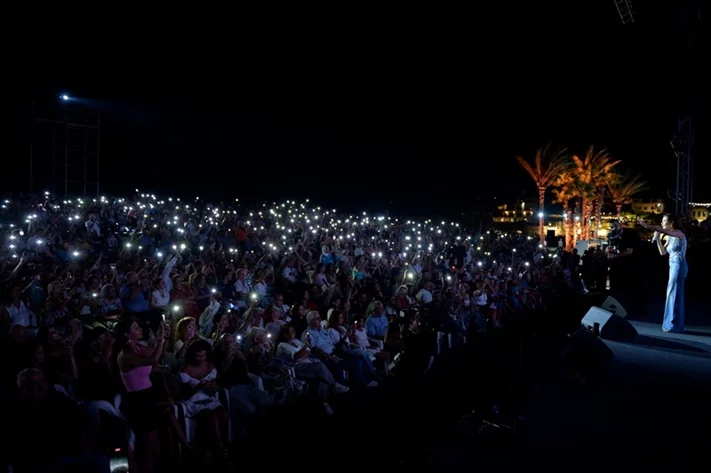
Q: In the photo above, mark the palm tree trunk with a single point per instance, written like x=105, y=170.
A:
x=567, y=229
x=598, y=210
x=578, y=223
x=619, y=211
x=585, y=218
x=541, y=203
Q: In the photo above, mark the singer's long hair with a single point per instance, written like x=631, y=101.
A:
x=675, y=222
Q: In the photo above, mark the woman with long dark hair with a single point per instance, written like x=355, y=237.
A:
x=140, y=404
x=675, y=247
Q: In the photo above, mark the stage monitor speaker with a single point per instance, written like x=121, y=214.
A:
x=612, y=327
x=586, y=355
x=613, y=305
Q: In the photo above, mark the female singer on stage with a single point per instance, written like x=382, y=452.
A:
x=675, y=246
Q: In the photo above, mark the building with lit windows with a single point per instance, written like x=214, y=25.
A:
x=699, y=211
x=655, y=206
x=521, y=211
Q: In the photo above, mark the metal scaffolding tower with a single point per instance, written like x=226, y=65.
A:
x=65, y=148
x=683, y=146
x=683, y=140
x=624, y=9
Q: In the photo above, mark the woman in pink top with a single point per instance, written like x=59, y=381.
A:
x=140, y=404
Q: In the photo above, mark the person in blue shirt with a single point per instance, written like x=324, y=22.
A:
x=376, y=326
x=132, y=295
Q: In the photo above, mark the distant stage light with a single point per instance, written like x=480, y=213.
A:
x=65, y=97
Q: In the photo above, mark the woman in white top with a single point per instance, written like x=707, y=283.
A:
x=359, y=338
x=259, y=285
x=199, y=387
x=320, y=276
x=17, y=313
x=305, y=367
x=480, y=298
x=341, y=338
x=160, y=297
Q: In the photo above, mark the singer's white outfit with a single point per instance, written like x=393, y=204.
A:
x=678, y=269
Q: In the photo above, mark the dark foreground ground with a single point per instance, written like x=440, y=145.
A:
x=650, y=411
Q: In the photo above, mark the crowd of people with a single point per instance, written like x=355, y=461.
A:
x=156, y=328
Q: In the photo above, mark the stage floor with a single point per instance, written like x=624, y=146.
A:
x=651, y=411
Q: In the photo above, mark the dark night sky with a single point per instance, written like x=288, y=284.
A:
x=355, y=117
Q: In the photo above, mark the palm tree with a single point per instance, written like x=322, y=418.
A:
x=547, y=166
x=590, y=171
x=606, y=180
x=564, y=192
x=570, y=191
x=625, y=188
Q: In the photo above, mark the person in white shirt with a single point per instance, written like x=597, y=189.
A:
x=16, y=312
x=289, y=273
x=280, y=311
x=92, y=226
x=306, y=367
x=424, y=296
x=160, y=297
x=242, y=289
x=319, y=276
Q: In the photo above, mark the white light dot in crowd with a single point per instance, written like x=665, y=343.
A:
x=479, y=263
x=76, y=253
x=159, y=254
